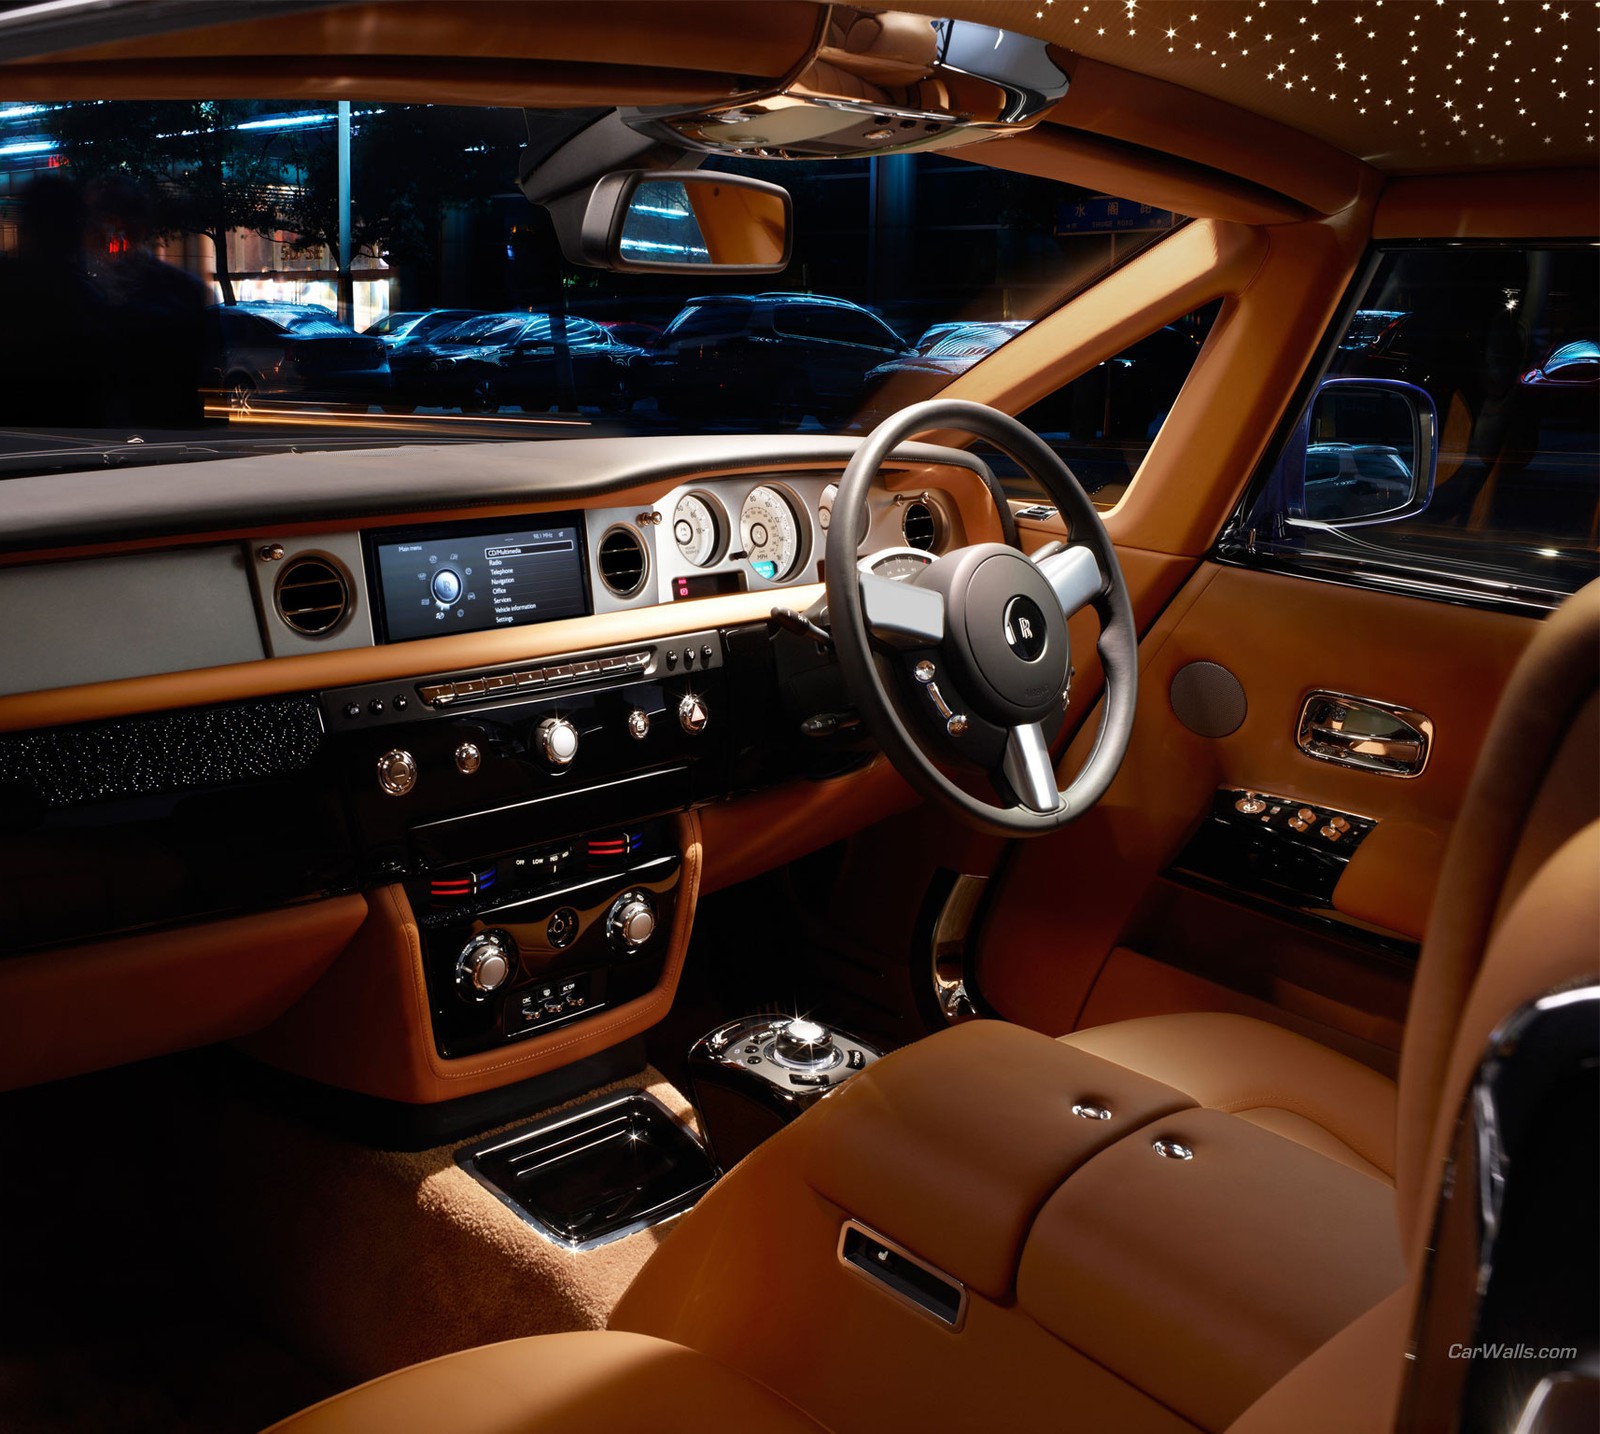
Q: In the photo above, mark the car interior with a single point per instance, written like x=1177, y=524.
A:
x=956, y=786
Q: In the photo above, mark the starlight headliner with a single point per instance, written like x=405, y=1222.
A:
x=1408, y=84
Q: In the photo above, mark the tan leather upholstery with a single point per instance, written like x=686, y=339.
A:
x=1265, y=1075
x=1203, y=1281
x=957, y=1170
x=1349, y=1386
x=1150, y=1294
x=1534, y=780
x=618, y=1383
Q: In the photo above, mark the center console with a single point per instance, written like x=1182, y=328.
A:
x=522, y=810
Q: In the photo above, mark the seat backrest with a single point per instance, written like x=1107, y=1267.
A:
x=1516, y=914
x=1537, y=784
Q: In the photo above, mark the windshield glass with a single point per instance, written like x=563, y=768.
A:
x=130, y=231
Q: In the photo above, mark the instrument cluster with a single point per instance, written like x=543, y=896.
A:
x=764, y=531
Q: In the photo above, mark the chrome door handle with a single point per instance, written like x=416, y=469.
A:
x=1359, y=732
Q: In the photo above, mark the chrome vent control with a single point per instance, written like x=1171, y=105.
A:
x=623, y=561
x=311, y=596
x=920, y=526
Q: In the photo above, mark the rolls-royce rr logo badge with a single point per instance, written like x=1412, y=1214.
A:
x=1024, y=628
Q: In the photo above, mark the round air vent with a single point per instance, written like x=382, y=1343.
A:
x=623, y=561
x=312, y=595
x=920, y=524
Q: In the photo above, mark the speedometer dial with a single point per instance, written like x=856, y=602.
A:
x=695, y=530
x=771, y=533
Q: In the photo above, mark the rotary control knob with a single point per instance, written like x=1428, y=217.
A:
x=485, y=965
x=805, y=1043
x=632, y=921
x=558, y=740
x=692, y=715
x=397, y=771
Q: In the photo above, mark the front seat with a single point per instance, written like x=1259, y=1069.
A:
x=1534, y=787
x=1517, y=915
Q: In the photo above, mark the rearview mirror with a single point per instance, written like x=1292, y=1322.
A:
x=685, y=221
x=1366, y=452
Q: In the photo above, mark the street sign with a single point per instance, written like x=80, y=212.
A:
x=1106, y=215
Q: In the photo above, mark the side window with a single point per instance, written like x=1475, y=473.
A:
x=1504, y=341
x=1105, y=420
x=802, y=321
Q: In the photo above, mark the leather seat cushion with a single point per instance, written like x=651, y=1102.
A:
x=593, y=1380
x=1264, y=1074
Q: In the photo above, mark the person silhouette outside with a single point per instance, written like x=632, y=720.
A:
x=155, y=316
x=53, y=348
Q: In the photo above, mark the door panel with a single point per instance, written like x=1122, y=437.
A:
x=1064, y=902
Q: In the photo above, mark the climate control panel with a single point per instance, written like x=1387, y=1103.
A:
x=559, y=933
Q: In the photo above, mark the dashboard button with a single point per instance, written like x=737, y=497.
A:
x=468, y=758
x=557, y=674
x=638, y=724
x=705, y=654
x=692, y=714
x=472, y=687
x=688, y=657
x=397, y=772
x=375, y=706
x=558, y=741
x=581, y=670
x=439, y=693
x=672, y=658
x=401, y=702
x=501, y=682
x=352, y=709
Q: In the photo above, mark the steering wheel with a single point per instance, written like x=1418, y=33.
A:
x=968, y=659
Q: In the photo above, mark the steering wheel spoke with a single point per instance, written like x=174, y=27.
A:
x=902, y=610
x=1028, y=769
x=1074, y=576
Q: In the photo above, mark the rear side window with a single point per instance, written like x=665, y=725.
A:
x=1504, y=340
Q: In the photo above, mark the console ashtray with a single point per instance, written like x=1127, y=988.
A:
x=596, y=1172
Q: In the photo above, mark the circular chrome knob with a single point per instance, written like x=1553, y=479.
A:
x=468, y=758
x=692, y=715
x=485, y=965
x=638, y=724
x=632, y=921
x=558, y=740
x=397, y=771
x=804, y=1043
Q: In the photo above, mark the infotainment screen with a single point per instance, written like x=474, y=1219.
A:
x=461, y=580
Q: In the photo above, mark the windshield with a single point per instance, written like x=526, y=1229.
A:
x=129, y=230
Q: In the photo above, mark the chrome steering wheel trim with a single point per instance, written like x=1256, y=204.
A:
x=987, y=623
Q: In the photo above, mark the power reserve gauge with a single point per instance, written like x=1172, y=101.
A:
x=696, y=531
